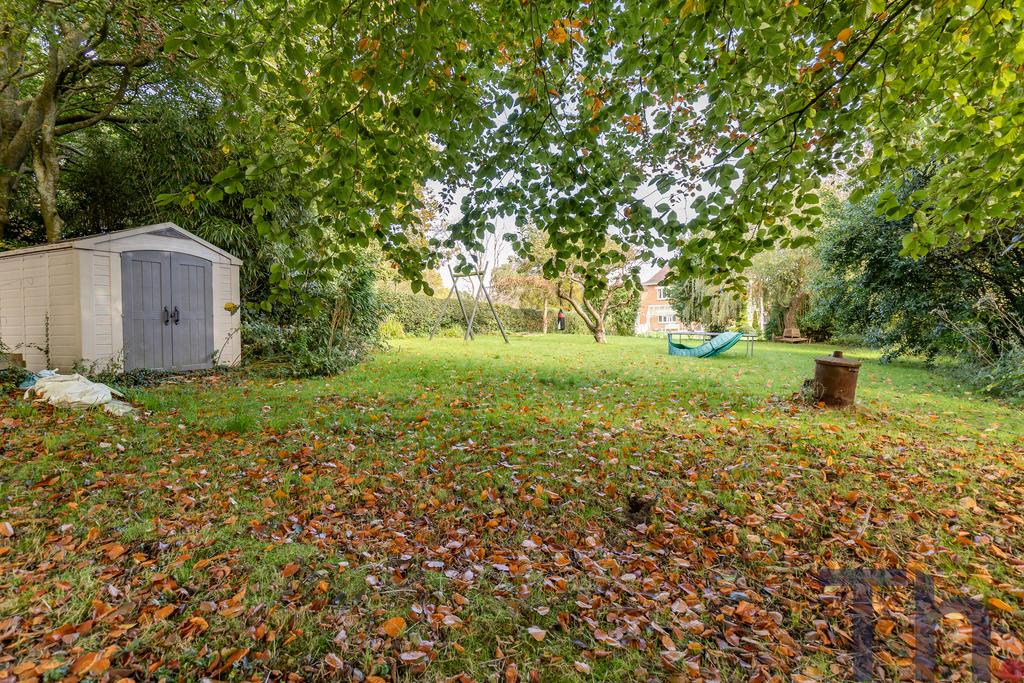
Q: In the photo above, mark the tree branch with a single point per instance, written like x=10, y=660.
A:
x=100, y=115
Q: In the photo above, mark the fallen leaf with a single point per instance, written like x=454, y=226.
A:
x=164, y=612
x=393, y=626
x=1000, y=605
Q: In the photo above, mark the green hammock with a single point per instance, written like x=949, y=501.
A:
x=712, y=347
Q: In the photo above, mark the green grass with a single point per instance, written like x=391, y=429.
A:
x=629, y=503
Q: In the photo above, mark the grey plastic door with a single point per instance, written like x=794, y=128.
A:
x=168, y=310
x=146, y=294
x=192, y=326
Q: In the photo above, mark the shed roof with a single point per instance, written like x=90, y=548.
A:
x=97, y=241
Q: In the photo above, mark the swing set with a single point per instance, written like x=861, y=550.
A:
x=469, y=317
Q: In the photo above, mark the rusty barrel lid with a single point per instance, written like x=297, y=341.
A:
x=837, y=359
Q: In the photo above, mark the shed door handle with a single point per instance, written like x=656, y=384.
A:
x=177, y=315
x=167, y=316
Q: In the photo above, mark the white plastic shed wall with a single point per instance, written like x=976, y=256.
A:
x=39, y=290
x=77, y=287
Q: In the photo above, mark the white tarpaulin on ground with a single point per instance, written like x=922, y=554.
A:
x=74, y=390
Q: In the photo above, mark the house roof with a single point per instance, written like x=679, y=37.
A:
x=657, y=277
x=96, y=241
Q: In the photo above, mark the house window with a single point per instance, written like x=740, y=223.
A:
x=661, y=293
x=664, y=314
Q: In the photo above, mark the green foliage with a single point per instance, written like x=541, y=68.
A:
x=326, y=338
x=743, y=108
x=578, y=116
x=904, y=305
x=1004, y=377
x=11, y=377
x=418, y=314
x=622, y=312
x=714, y=307
x=392, y=328
x=174, y=143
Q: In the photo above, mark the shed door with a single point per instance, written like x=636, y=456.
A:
x=192, y=327
x=168, y=310
x=146, y=291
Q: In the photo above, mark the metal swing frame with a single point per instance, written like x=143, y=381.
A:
x=469, y=317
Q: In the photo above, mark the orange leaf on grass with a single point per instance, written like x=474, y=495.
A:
x=393, y=626
x=164, y=612
x=1000, y=605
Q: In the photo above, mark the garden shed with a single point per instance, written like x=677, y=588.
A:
x=151, y=297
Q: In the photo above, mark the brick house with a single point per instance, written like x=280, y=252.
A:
x=656, y=313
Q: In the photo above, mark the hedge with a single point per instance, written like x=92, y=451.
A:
x=418, y=315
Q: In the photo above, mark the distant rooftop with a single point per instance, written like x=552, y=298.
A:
x=657, y=277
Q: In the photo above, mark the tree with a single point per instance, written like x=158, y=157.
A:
x=112, y=175
x=66, y=66
x=695, y=300
x=521, y=281
x=600, y=291
x=778, y=281
x=908, y=306
x=591, y=289
x=591, y=119
x=572, y=114
x=521, y=284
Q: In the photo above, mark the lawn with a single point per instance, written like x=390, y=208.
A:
x=543, y=511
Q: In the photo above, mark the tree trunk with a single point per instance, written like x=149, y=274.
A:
x=591, y=317
x=544, y=320
x=47, y=167
x=7, y=183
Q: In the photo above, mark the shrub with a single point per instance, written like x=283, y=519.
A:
x=418, y=315
x=908, y=306
x=335, y=333
x=1004, y=377
x=307, y=349
x=452, y=332
x=392, y=328
x=10, y=378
